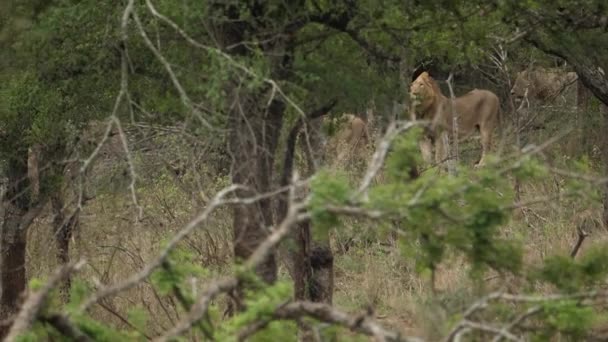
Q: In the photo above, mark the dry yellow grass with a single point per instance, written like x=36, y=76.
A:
x=369, y=273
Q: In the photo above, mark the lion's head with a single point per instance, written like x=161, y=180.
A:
x=521, y=85
x=424, y=92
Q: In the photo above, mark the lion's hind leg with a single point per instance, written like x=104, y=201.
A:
x=486, y=143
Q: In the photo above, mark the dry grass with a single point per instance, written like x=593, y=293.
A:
x=370, y=273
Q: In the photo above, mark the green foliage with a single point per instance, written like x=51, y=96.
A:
x=261, y=304
x=529, y=168
x=575, y=275
x=327, y=189
x=461, y=212
x=404, y=155
x=179, y=266
x=568, y=318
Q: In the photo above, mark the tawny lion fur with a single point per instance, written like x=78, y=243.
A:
x=478, y=108
x=350, y=140
x=542, y=83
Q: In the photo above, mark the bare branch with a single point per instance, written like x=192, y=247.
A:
x=395, y=128
x=581, y=236
x=518, y=320
x=199, y=308
x=125, y=146
x=176, y=83
x=466, y=326
x=362, y=323
x=136, y=278
x=218, y=52
x=32, y=306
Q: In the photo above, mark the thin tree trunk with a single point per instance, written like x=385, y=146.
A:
x=311, y=262
x=255, y=123
x=13, y=240
x=63, y=229
x=253, y=155
x=604, y=156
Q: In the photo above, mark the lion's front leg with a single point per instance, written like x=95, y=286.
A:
x=441, y=148
x=426, y=148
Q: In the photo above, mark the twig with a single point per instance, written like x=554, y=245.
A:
x=362, y=323
x=465, y=326
x=218, y=52
x=133, y=174
x=199, y=308
x=136, y=278
x=176, y=83
x=454, y=121
x=518, y=320
x=582, y=234
x=395, y=128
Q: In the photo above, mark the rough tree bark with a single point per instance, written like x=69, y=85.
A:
x=19, y=212
x=63, y=228
x=255, y=122
x=311, y=261
x=321, y=280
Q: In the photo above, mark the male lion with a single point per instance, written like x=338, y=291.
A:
x=543, y=84
x=478, y=108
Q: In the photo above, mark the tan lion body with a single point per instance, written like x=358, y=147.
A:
x=543, y=84
x=350, y=139
x=477, y=109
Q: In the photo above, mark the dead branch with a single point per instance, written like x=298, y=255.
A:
x=517, y=321
x=361, y=323
x=455, y=114
x=32, y=306
x=228, y=58
x=466, y=326
x=176, y=83
x=582, y=235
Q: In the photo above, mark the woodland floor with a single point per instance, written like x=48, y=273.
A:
x=371, y=271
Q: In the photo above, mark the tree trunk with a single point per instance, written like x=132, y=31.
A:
x=311, y=262
x=255, y=123
x=63, y=229
x=253, y=154
x=320, y=257
x=12, y=266
x=18, y=215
